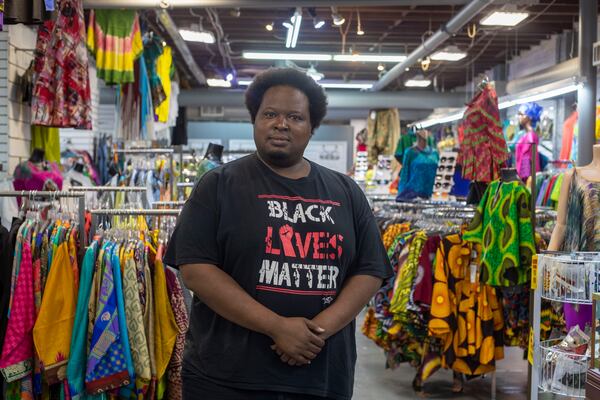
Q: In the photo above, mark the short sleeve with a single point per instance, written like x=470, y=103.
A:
x=371, y=257
x=194, y=239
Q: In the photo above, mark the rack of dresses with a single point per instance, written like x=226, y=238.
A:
x=166, y=152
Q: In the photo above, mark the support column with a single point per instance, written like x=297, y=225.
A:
x=586, y=96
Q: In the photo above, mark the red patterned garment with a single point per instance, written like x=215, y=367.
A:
x=483, y=150
x=61, y=94
x=174, y=389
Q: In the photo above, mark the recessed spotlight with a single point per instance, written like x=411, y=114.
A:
x=269, y=26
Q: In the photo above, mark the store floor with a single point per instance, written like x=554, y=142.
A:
x=374, y=382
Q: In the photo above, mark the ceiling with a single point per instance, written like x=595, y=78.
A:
x=390, y=29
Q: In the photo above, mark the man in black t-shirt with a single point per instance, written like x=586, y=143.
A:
x=281, y=254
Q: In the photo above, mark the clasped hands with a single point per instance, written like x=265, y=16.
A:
x=297, y=340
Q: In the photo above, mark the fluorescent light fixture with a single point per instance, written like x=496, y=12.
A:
x=293, y=29
x=418, y=81
x=449, y=53
x=318, y=23
x=504, y=18
x=540, y=96
x=218, y=83
x=378, y=58
x=250, y=55
x=197, y=36
x=327, y=85
x=440, y=120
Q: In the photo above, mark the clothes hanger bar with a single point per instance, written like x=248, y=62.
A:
x=144, y=151
x=39, y=193
x=139, y=211
x=185, y=184
x=107, y=189
x=168, y=203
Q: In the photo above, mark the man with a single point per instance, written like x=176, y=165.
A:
x=281, y=254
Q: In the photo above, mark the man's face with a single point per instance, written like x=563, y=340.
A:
x=282, y=126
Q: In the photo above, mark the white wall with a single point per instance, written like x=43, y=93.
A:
x=21, y=40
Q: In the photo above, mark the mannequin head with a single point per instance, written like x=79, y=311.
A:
x=422, y=137
x=529, y=115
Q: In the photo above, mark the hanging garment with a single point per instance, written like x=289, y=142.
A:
x=524, y=154
x=32, y=176
x=164, y=69
x=418, y=173
x=152, y=51
x=115, y=39
x=9, y=208
x=166, y=329
x=146, y=108
x=175, y=385
x=465, y=315
x=407, y=141
x=383, y=132
x=8, y=240
x=502, y=226
x=568, y=136
x=483, y=150
x=47, y=139
x=61, y=95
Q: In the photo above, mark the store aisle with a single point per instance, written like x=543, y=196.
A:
x=374, y=382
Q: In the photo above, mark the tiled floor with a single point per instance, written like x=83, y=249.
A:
x=374, y=382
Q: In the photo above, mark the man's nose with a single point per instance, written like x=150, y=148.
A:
x=282, y=123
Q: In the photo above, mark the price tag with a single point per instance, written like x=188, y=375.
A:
x=534, y=272
x=530, y=347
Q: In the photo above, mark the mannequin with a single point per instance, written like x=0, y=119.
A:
x=590, y=172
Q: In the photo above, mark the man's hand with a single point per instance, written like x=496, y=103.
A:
x=297, y=340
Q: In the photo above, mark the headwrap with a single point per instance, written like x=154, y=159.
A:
x=533, y=111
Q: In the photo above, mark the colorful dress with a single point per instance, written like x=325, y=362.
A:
x=418, y=173
x=61, y=94
x=114, y=37
x=523, y=154
x=502, y=226
x=483, y=149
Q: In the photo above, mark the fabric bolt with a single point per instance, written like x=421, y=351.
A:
x=524, y=154
x=61, y=94
x=383, y=132
x=46, y=138
x=502, y=226
x=78, y=353
x=174, y=391
x=418, y=173
x=466, y=316
x=115, y=39
x=17, y=350
x=54, y=326
x=483, y=150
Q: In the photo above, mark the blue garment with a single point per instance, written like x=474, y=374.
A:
x=418, y=172
x=145, y=97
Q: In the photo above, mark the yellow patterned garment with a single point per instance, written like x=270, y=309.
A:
x=466, y=316
x=163, y=70
x=165, y=325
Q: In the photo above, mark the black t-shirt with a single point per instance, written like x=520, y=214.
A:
x=291, y=244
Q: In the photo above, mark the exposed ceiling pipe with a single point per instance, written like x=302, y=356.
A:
x=169, y=25
x=559, y=72
x=434, y=41
x=415, y=100
x=268, y=4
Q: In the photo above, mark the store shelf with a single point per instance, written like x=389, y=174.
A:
x=562, y=372
x=569, y=278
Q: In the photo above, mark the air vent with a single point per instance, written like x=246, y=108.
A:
x=212, y=111
x=596, y=58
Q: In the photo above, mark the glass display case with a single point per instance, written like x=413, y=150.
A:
x=593, y=375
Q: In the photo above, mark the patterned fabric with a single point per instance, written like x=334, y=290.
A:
x=583, y=233
x=483, y=149
x=466, y=316
x=406, y=276
x=114, y=37
x=152, y=50
x=164, y=65
x=61, y=95
x=174, y=391
x=17, y=351
x=135, y=325
x=383, y=133
x=106, y=366
x=502, y=226
x=54, y=327
x=165, y=325
x=78, y=355
x=515, y=304
x=417, y=175
x=149, y=319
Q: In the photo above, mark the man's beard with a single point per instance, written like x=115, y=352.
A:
x=279, y=159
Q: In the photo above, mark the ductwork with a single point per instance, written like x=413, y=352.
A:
x=268, y=4
x=431, y=44
x=559, y=72
x=413, y=100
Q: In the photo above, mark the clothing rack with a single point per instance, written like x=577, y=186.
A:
x=168, y=152
x=132, y=212
x=107, y=189
x=168, y=204
x=56, y=195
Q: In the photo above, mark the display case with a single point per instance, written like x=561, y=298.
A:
x=593, y=375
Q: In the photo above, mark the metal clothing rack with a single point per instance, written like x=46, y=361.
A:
x=168, y=152
x=107, y=189
x=132, y=212
x=173, y=204
x=56, y=195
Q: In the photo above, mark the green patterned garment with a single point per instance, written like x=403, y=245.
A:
x=502, y=225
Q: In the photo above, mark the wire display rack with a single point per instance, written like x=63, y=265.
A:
x=566, y=278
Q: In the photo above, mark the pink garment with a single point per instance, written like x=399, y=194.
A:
x=523, y=155
x=28, y=176
x=18, y=343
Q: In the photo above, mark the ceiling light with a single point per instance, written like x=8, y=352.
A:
x=197, y=36
x=229, y=77
x=286, y=56
x=380, y=67
x=369, y=58
x=359, y=30
x=318, y=23
x=313, y=73
x=449, y=53
x=327, y=85
x=269, y=26
x=293, y=29
x=338, y=19
x=418, y=81
x=218, y=83
x=504, y=17
x=407, y=69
